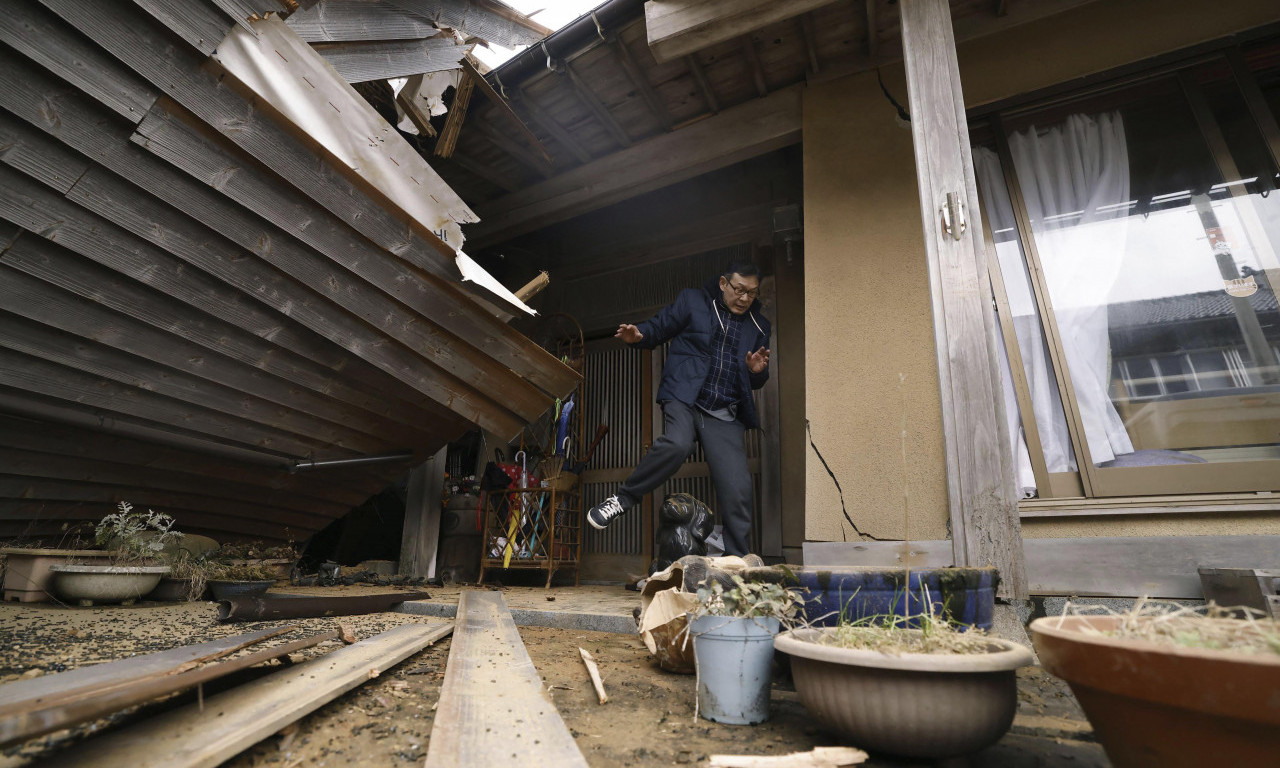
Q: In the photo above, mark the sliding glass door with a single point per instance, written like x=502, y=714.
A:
x=1135, y=231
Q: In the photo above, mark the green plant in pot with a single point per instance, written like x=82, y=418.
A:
x=917, y=687
x=136, y=542
x=732, y=630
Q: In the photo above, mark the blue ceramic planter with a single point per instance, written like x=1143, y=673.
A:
x=964, y=595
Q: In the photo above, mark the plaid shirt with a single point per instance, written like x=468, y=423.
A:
x=721, y=389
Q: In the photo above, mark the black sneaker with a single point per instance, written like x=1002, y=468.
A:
x=603, y=513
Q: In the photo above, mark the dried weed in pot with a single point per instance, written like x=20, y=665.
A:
x=1207, y=627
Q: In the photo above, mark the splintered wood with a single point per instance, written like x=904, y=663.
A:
x=492, y=709
x=818, y=757
x=594, y=671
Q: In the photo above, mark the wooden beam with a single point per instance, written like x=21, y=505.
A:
x=677, y=28
x=704, y=85
x=484, y=170
x=343, y=20
x=980, y=471
x=230, y=722
x=873, y=29
x=737, y=134
x=525, y=135
x=810, y=35
x=752, y=56
x=448, y=140
x=407, y=101
x=420, y=538
x=549, y=124
x=594, y=105
x=513, y=150
x=486, y=19
x=489, y=684
x=358, y=62
x=636, y=74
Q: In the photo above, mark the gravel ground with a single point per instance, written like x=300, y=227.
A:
x=387, y=721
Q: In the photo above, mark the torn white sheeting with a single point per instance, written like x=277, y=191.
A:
x=274, y=63
x=431, y=92
x=477, y=274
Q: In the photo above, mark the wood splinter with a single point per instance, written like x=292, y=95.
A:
x=594, y=671
x=819, y=757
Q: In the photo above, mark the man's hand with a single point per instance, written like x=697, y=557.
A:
x=629, y=333
x=759, y=360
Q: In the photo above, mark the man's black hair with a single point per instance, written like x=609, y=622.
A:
x=742, y=268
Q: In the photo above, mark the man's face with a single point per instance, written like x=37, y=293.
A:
x=739, y=292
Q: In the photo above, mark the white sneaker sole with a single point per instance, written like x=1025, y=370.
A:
x=593, y=524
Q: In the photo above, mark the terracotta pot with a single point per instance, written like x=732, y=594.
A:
x=914, y=704
x=1163, y=705
x=27, y=578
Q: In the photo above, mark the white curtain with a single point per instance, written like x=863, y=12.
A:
x=1075, y=180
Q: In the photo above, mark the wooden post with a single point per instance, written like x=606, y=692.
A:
x=985, y=528
x=421, y=537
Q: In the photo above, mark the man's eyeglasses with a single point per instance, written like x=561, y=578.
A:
x=741, y=292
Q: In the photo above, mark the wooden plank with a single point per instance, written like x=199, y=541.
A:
x=326, y=116
x=358, y=62
x=101, y=451
x=547, y=122
x=508, y=114
x=243, y=11
x=232, y=721
x=199, y=23
x=448, y=139
x=503, y=181
x=20, y=695
x=485, y=19
x=640, y=79
x=421, y=536
x=29, y=297
x=736, y=134
x=39, y=720
x=810, y=35
x=424, y=349
x=980, y=471
x=596, y=107
x=407, y=100
x=36, y=340
x=752, y=57
x=339, y=20
x=42, y=37
x=489, y=684
x=27, y=151
x=438, y=302
x=676, y=28
x=704, y=85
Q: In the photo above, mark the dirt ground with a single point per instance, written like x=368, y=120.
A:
x=387, y=722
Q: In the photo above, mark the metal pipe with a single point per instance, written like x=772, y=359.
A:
x=271, y=607
x=313, y=464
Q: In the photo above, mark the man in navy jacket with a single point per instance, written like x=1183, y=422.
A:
x=719, y=354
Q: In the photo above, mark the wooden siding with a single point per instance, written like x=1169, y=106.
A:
x=193, y=298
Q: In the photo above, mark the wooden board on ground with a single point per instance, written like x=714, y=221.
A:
x=235, y=720
x=492, y=708
x=51, y=716
x=26, y=695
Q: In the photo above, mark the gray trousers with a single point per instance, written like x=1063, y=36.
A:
x=726, y=457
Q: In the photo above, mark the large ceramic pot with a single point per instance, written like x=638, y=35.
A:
x=1160, y=705
x=89, y=584
x=27, y=578
x=914, y=704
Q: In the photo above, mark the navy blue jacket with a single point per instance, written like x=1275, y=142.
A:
x=689, y=323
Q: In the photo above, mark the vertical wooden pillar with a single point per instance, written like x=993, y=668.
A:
x=420, y=541
x=985, y=528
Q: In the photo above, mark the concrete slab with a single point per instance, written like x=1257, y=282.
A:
x=593, y=608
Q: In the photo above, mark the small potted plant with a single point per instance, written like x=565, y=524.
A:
x=136, y=541
x=186, y=581
x=733, y=630
x=937, y=691
x=228, y=580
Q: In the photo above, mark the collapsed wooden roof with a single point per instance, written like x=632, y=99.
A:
x=195, y=296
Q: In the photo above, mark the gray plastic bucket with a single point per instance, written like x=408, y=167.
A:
x=734, y=658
